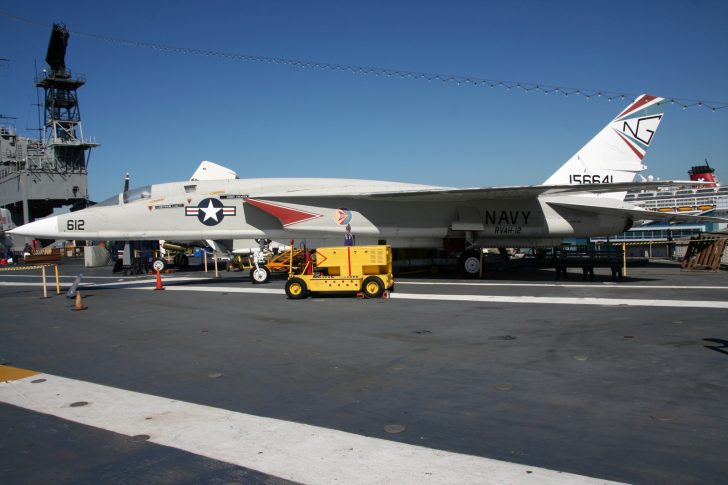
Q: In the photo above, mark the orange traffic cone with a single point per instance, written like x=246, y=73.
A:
x=159, y=281
x=79, y=303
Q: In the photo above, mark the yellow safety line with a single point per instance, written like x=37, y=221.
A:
x=21, y=268
x=8, y=373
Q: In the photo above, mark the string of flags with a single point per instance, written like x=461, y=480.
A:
x=460, y=80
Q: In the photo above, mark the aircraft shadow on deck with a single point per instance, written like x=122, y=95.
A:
x=721, y=345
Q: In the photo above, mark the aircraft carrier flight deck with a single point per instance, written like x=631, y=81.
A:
x=515, y=378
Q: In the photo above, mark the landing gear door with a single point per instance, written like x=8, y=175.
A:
x=468, y=220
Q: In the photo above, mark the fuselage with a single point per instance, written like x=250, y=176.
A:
x=215, y=205
x=320, y=210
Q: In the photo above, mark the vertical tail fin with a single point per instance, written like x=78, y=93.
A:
x=615, y=154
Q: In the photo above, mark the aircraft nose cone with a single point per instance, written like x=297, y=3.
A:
x=44, y=228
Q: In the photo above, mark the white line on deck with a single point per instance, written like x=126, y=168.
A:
x=294, y=451
x=623, y=285
x=490, y=298
x=486, y=298
x=543, y=300
x=603, y=285
x=550, y=300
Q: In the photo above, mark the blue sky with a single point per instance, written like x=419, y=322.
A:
x=158, y=114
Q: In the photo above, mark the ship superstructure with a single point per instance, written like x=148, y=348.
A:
x=709, y=199
x=685, y=199
x=39, y=175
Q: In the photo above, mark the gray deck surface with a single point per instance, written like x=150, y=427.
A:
x=628, y=393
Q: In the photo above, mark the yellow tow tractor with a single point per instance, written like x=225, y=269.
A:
x=354, y=269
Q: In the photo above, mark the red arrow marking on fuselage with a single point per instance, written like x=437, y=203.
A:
x=285, y=215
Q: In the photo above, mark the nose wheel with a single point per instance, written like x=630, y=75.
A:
x=159, y=264
x=259, y=275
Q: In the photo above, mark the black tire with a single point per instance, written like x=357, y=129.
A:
x=469, y=264
x=181, y=261
x=616, y=273
x=560, y=272
x=372, y=287
x=259, y=275
x=296, y=289
x=159, y=264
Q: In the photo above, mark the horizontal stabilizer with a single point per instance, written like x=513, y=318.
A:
x=600, y=206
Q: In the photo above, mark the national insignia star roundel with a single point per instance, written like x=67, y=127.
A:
x=342, y=216
x=210, y=211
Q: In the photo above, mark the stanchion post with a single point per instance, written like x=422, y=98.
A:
x=204, y=258
x=58, y=281
x=480, y=269
x=43, y=274
x=214, y=257
x=624, y=258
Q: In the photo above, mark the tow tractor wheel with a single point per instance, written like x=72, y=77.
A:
x=159, y=264
x=296, y=289
x=372, y=287
x=469, y=264
x=259, y=275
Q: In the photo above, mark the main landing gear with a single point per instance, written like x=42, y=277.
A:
x=469, y=263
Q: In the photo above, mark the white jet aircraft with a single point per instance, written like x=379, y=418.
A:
x=584, y=198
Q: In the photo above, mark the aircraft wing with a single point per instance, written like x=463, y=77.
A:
x=450, y=194
x=639, y=214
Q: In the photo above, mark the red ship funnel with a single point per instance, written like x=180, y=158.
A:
x=703, y=173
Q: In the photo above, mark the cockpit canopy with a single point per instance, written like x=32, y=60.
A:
x=138, y=193
x=127, y=197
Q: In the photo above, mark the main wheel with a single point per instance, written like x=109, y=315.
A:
x=259, y=275
x=159, y=264
x=372, y=287
x=469, y=264
x=181, y=261
x=296, y=289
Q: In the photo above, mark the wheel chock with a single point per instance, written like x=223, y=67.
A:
x=360, y=295
x=385, y=294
